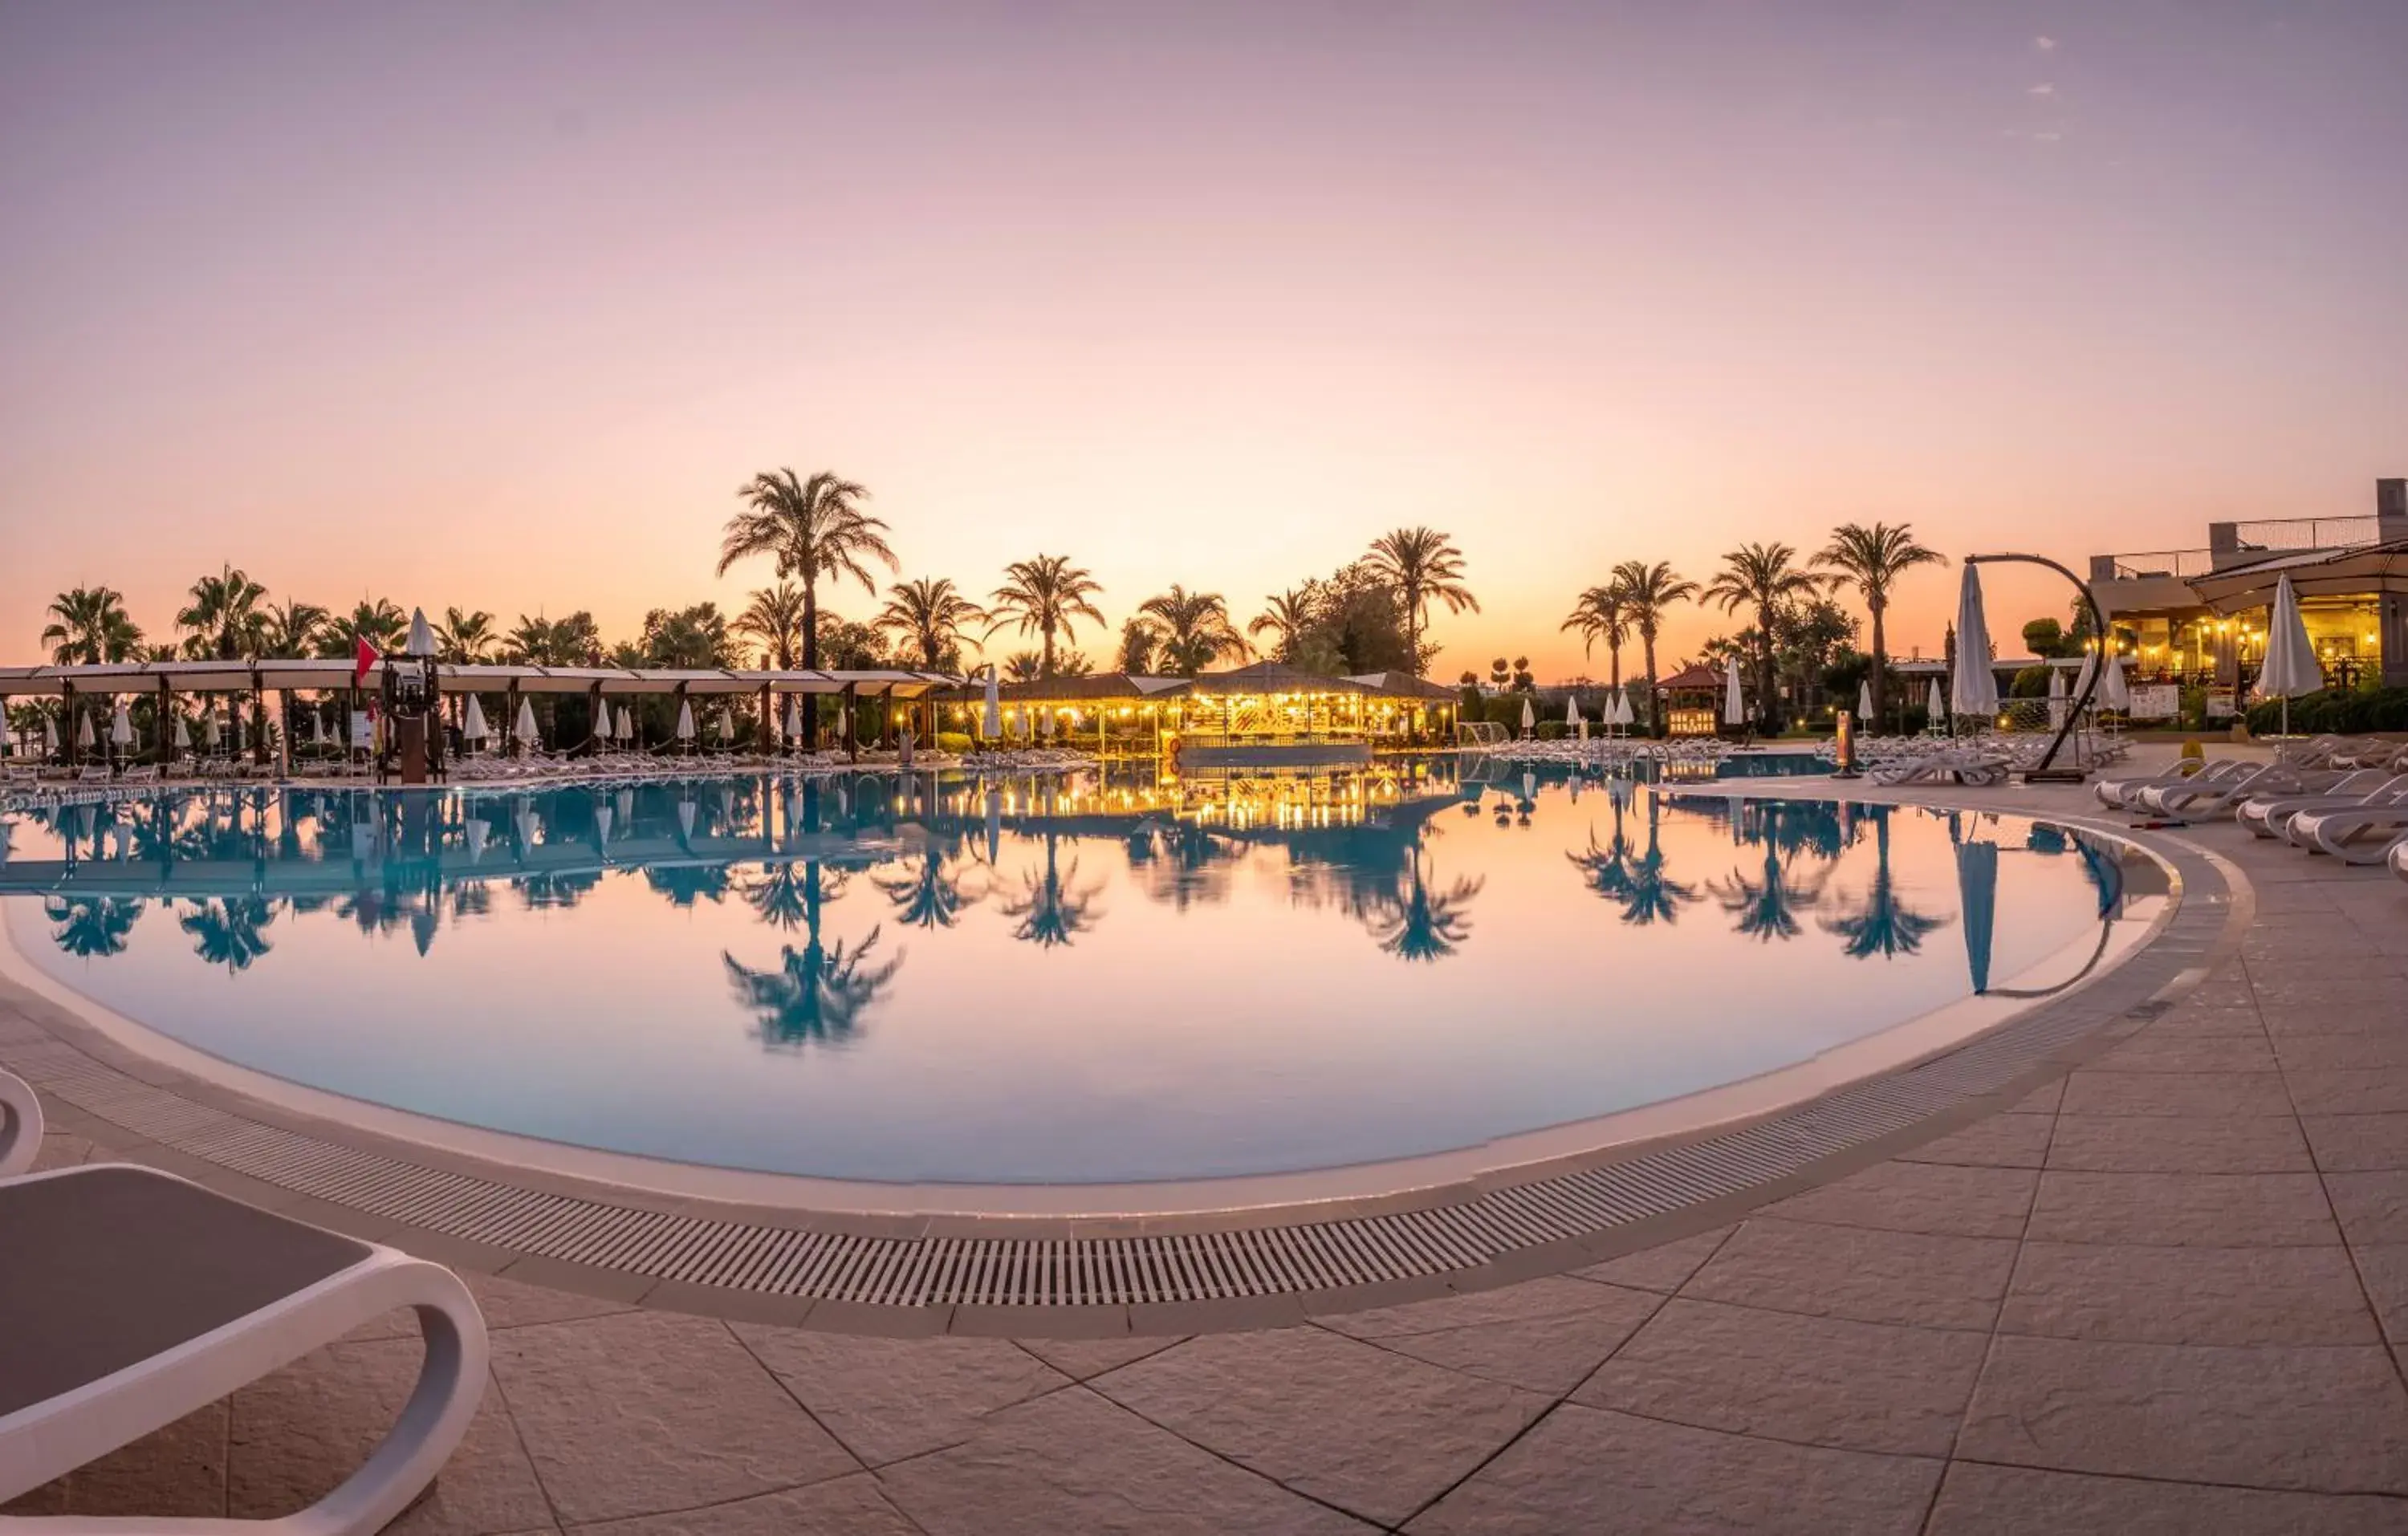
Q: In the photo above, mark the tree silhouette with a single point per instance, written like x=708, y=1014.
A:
x=926, y=894
x=1655, y=896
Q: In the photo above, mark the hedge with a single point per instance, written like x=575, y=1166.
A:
x=2350, y=712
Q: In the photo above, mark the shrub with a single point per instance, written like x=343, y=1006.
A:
x=955, y=742
x=1552, y=730
x=2335, y=713
x=2031, y=682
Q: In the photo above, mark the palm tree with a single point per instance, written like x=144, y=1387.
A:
x=1766, y=577
x=1871, y=559
x=1196, y=629
x=775, y=616
x=1881, y=922
x=1288, y=615
x=91, y=626
x=1045, y=595
x=222, y=619
x=1138, y=640
x=291, y=629
x=537, y=641
x=1023, y=666
x=1424, y=568
x=1648, y=593
x=375, y=620
x=932, y=614
x=465, y=638
x=813, y=528
x=1602, y=614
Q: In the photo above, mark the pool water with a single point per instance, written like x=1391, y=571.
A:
x=1093, y=978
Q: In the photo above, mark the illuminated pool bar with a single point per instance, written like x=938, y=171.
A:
x=1264, y=714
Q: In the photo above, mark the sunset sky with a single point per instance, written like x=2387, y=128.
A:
x=495, y=304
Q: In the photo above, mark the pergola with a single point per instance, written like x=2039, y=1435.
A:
x=170, y=680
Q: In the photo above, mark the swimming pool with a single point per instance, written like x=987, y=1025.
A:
x=1099, y=979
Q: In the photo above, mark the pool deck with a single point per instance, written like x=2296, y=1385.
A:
x=2168, y=1291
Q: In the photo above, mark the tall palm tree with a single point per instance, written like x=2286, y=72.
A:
x=1138, y=640
x=375, y=620
x=1871, y=559
x=1045, y=595
x=465, y=638
x=930, y=613
x=1424, y=568
x=1023, y=666
x=291, y=629
x=1288, y=615
x=1648, y=593
x=777, y=617
x=1766, y=577
x=90, y=626
x=1196, y=629
x=222, y=619
x=1602, y=614
x=813, y=528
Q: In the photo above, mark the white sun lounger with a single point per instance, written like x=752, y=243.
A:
x=130, y=1298
x=2267, y=814
x=21, y=1128
x=2206, y=800
x=2399, y=858
x=2360, y=834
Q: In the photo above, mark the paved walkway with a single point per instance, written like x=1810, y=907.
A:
x=2168, y=1294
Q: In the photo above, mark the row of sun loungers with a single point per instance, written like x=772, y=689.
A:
x=2345, y=799
x=1981, y=760
x=130, y=1298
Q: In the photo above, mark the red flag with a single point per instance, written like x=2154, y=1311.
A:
x=366, y=659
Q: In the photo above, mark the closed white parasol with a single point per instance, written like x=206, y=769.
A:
x=1973, y=687
x=120, y=727
x=2292, y=669
x=685, y=720
x=472, y=721
x=1936, y=703
x=183, y=735
x=1865, y=699
x=1734, y=707
x=1529, y=718
x=524, y=727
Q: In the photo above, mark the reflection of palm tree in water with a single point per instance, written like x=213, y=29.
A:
x=1766, y=908
x=815, y=996
x=225, y=930
x=91, y=928
x=1881, y=922
x=1052, y=909
x=927, y=894
x=1606, y=870
x=788, y=895
x=1419, y=923
x=1655, y=896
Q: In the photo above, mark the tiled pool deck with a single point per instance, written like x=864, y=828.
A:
x=2168, y=1292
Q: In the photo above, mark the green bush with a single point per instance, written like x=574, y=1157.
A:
x=1552, y=730
x=2031, y=682
x=956, y=742
x=2353, y=712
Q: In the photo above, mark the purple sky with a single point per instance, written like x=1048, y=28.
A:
x=495, y=304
